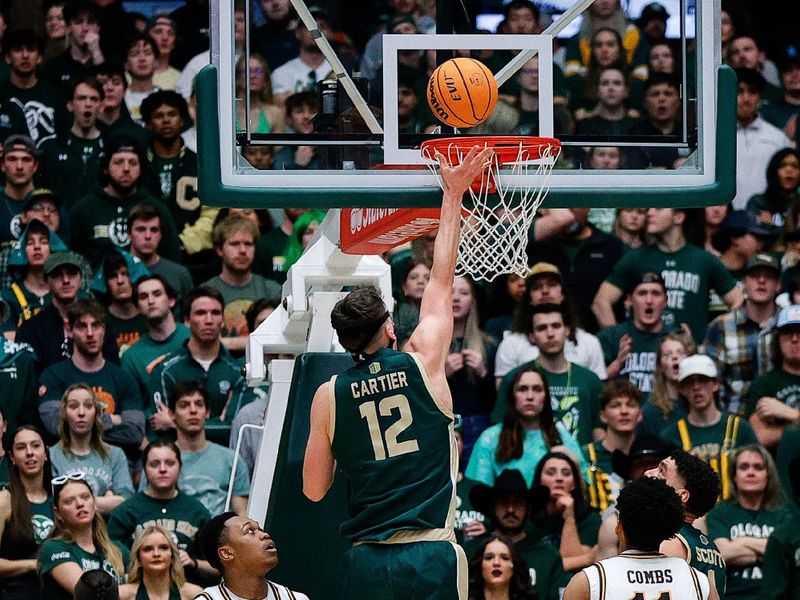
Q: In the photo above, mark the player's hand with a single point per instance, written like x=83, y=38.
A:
x=475, y=362
x=453, y=363
x=303, y=155
x=457, y=179
x=772, y=408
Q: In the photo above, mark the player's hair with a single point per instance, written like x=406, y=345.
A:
x=255, y=308
x=300, y=100
x=512, y=435
x=773, y=496
x=154, y=277
x=137, y=38
x=18, y=533
x=213, y=535
x=89, y=307
x=650, y=512
x=96, y=442
x=100, y=536
x=519, y=4
x=358, y=318
x=701, y=481
x=160, y=98
x=155, y=444
x=90, y=81
x=136, y=570
x=202, y=291
x=230, y=225
x=619, y=388
x=187, y=388
x=96, y=584
x=661, y=397
x=520, y=586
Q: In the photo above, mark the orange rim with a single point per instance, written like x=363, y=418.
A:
x=506, y=148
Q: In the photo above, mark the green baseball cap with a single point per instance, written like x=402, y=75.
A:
x=59, y=259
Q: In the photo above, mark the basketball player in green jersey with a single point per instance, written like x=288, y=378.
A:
x=388, y=423
x=698, y=486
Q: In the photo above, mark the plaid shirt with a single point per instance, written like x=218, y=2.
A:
x=741, y=349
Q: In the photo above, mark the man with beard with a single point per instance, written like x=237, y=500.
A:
x=174, y=165
x=63, y=274
x=42, y=104
x=201, y=358
x=235, y=241
x=123, y=421
x=99, y=220
x=155, y=299
x=773, y=401
x=71, y=162
x=740, y=341
x=244, y=553
x=19, y=164
x=508, y=503
x=630, y=347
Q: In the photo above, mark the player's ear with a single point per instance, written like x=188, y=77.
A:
x=390, y=329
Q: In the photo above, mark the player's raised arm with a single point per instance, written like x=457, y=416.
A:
x=431, y=338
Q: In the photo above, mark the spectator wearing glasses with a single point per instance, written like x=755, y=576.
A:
x=26, y=514
x=79, y=541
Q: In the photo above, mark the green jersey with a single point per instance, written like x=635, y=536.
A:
x=640, y=366
x=142, y=358
x=182, y=516
x=731, y=521
x=573, y=395
x=713, y=444
x=780, y=566
x=58, y=552
x=688, y=273
x=774, y=384
x=703, y=555
x=385, y=423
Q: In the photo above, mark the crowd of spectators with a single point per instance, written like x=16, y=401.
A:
x=127, y=300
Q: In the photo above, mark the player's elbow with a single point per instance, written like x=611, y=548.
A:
x=313, y=492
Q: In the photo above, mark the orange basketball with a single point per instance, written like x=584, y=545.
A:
x=462, y=92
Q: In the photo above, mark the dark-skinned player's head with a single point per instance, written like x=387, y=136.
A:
x=359, y=318
x=700, y=480
x=650, y=512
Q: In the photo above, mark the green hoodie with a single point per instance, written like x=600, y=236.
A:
x=18, y=382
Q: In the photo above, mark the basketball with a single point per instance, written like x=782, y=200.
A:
x=462, y=92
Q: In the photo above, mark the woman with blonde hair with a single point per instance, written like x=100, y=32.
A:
x=741, y=525
x=156, y=572
x=265, y=116
x=79, y=541
x=664, y=406
x=81, y=449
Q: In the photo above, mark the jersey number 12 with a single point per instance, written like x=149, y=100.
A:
x=384, y=443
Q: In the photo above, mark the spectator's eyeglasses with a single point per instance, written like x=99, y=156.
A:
x=62, y=480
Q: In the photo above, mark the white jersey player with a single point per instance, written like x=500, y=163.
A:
x=649, y=512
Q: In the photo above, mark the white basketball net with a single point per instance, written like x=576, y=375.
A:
x=494, y=227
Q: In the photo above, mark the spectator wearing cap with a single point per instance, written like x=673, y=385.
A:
x=227, y=543
x=544, y=285
x=83, y=33
x=784, y=111
x=773, y=400
x=689, y=272
x=584, y=255
x=99, y=220
x=114, y=119
x=28, y=292
x=508, y=505
x=756, y=140
x=645, y=454
x=71, y=160
x=630, y=347
x=776, y=209
x=43, y=104
x=309, y=67
x=707, y=432
x=48, y=332
x=20, y=162
x=162, y=30
x=653, y=22
x=740, y=341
